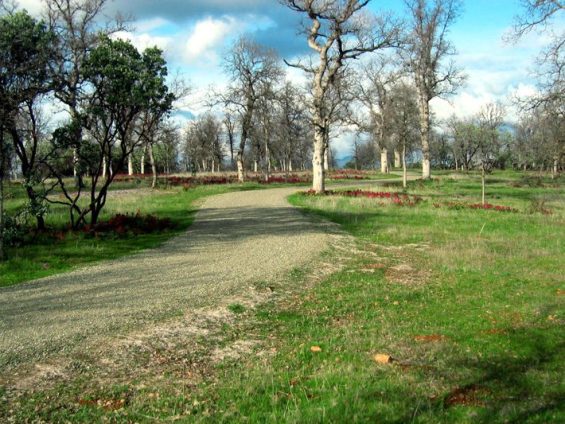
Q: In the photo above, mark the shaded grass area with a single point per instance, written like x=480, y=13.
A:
x=44, y=255
x=468, y=304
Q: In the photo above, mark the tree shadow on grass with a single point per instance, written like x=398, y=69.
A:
x=508, y=389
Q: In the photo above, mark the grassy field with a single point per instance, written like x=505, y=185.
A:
x=441, y=313
x=467, y=303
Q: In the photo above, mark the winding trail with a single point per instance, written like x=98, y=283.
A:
x=236, y=239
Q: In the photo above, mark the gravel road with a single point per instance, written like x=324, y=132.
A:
x=236, y=239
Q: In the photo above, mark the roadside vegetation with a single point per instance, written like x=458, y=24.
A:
x=436, y=314
x=136, y=217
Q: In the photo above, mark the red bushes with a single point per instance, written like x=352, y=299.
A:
x=486, y=206
x=399, y=199
x=137, y=224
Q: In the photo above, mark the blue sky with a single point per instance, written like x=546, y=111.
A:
x=196, y=33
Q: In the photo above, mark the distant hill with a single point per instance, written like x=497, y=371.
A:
x=342, y=160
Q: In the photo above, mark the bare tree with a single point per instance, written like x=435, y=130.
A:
x=252, y=68
x=538, y=15
x=230, y=131
x=371, y=89
x=340, y=31
x=490, y=120
x=427, y=47
x=292, y=121
x=403, y=121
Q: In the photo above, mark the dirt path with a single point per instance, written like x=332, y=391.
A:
x=237, y=239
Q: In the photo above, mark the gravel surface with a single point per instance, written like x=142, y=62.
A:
x=237, y=239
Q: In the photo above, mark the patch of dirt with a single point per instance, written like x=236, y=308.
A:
x=40, y=373
x=234, y=351
x=470, y=395
x=431, y=338
x=373, y=266
x=406, y=274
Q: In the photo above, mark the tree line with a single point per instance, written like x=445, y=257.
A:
x=370, y=73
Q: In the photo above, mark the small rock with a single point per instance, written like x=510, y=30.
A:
x=315, y=349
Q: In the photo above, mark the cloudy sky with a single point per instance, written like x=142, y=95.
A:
x=195, y=34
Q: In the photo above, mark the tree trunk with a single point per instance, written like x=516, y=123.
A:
x=397, y=162
x=142, y=161
x=326, y=159
x=404, y=172
x=384, y=161
x=153, y=167
x=104, y=167
x=255, y=166
x=290, y=165
x=267, y=162
x=318, y=174
x=2, y=166
x=240, y=169
x=483, y=183
x=130, y=164
x=425, y=135
x=555, y=167
x=32, y=196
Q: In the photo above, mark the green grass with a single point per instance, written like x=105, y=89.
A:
x=42, y=256
x=468, y=303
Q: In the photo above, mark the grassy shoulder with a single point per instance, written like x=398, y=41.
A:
x=45, y=255
x=467, y=303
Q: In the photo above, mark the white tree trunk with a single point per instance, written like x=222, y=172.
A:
x=326, y=160
x=142, y=161
x=104, y=167
x=425, y=135
x=384, y=161
x=290, y=165
x=153, y=167
x=483, y=183
x=318, y=170
x=75, y=163
x=255, y=166
x=397, y=162
x=404, y=173
x=130, y=164
x=240, y=169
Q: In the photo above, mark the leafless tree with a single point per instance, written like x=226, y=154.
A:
x=203, y=147
x=292, y=121
x=230, y=126
x=402, y=121
x=490, y=120
x=340, y=30
x=538, y=15
x=252, y=68
x=372, y=89
x=427, y=47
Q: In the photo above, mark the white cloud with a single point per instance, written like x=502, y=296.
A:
x=207, y=35
x=149, y=25
x=34, y=7
x=143, y=41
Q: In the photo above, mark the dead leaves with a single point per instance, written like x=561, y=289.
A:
x=382, y=358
